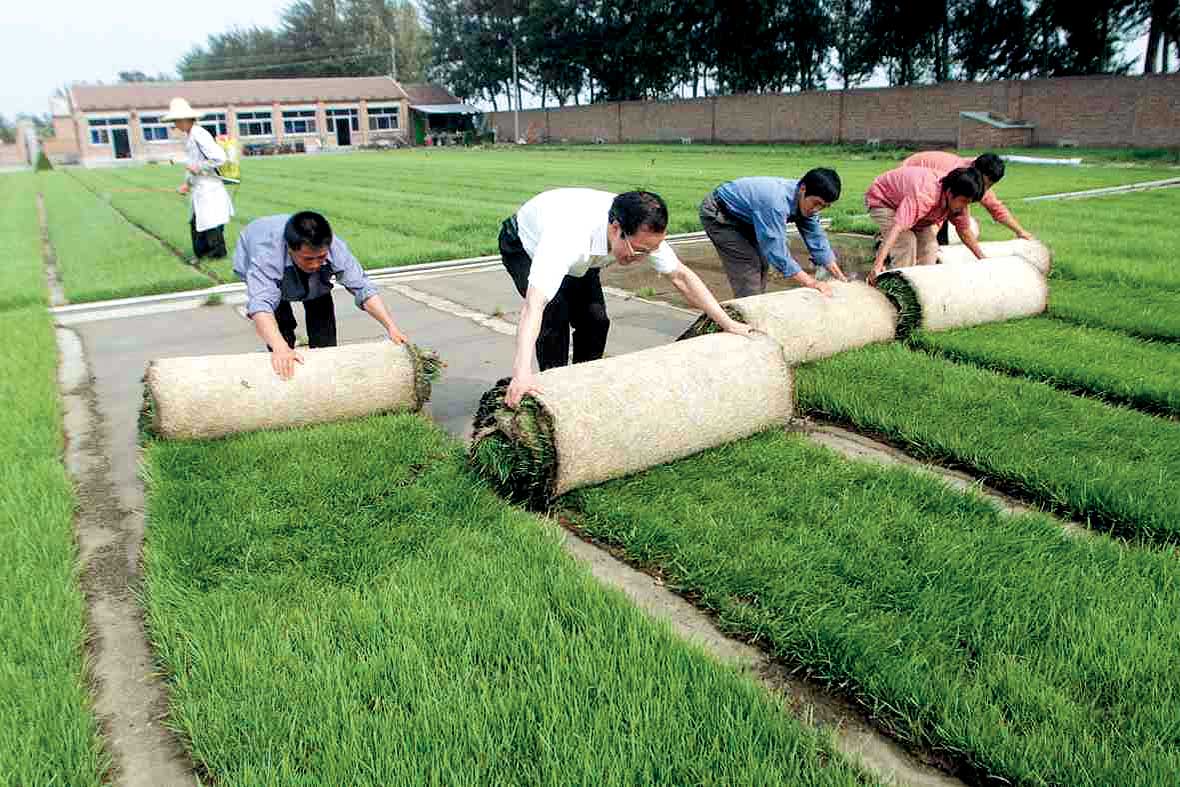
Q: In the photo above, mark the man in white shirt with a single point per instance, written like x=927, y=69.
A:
x=211, y=205
x=555, y=246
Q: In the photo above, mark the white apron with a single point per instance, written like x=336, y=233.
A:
x=211, y=205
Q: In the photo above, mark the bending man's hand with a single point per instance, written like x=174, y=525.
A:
x=283, y=360
x=396, y=336
x=521, y=384
x=740, y=328
x=878, y=269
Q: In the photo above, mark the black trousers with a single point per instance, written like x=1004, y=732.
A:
x=320, y=315
x=209, y=243
x=579, y=304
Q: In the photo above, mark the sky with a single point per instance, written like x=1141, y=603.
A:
x=45, y=46
x=91, y=41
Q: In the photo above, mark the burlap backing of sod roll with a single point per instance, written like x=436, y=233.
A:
x=217, y=395
x=610, y=418
x=1034, y=252
x=941, y=297
x=810, y=326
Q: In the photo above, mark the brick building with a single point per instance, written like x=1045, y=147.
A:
x=104, y=124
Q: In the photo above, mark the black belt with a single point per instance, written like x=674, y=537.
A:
x=746, y=228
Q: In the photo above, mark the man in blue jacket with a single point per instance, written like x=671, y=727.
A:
x=747, y=221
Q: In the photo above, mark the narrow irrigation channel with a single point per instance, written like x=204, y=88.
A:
x=57, y=295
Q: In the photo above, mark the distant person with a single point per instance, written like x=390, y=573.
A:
x=554, y=247
x=746, y=219
x=211, y=206
x=910, y=203
x=990, y=166
x=287, y=258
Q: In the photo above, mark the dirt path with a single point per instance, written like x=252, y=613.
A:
x=129, y=698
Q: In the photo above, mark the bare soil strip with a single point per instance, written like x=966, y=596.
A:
x=130, y=700
x=57, y=295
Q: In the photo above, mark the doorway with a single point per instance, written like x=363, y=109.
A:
x=343, y=132
x=121, y=142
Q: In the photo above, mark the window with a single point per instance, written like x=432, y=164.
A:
x=383, y=118
x=352, y=116
x=100, y=129
x=214, y=123
x=154, y=129
x=298, y=121
x=254, y=124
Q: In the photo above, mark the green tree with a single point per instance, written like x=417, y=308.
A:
x=852, y=41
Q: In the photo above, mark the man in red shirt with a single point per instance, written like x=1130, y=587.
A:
x=910, y=203
x=990, y=166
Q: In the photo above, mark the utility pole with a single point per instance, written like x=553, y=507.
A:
x=516, y=104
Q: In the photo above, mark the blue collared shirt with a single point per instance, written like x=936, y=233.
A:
x=262, y=260
x=768, y=204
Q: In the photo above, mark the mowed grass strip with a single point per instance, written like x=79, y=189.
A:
x=100, y=255
x=50, y=735
x=349, y=602
x=1110, y=466
x=24, y=279
x=1145, y=312
x=1123, y=239
x=1091, y=361
x=1020, y=652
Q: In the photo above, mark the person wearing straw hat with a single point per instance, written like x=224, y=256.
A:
x=211, y=206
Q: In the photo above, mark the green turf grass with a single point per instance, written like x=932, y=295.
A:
x=1091, y=361
x=1015, y=649
x=50, y=736
x=1111, y=466
x=1145, y=312
x=349, y=605
x=24, y=270
x=100, y=255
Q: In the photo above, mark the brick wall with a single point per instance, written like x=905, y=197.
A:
x=1098, y=111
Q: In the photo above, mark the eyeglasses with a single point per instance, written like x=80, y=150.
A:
x=631, y=250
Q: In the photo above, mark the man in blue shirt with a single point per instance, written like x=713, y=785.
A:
x=293, y=258
x=747, y=221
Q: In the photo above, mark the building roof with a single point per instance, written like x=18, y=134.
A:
x=429, y=94
x=244, y=92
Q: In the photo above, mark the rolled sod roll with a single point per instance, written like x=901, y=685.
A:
x=809, y=325
x=609, y=418
x=941, y=297
x=1034, y=252
x=216, y=395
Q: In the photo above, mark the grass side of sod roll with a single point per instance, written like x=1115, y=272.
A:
x=1090, y=361
x=50, y=735
x=1145, y=312
x=24, y=270
x=349, y=605
x=100, y=255
x=1110, y=466
x=1018, y=651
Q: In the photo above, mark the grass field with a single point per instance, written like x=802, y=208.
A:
x=100, y=255
x=1092, y=361
x=50, y=735
x=24, y=282
x=1019, y=651
x=379, y=617
x=415, y=206
x=1108, y=465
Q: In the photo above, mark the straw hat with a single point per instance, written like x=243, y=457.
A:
x=178, y=109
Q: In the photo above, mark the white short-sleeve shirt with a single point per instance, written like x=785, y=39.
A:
x=564, y=232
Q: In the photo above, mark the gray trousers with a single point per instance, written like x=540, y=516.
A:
x=735, y=243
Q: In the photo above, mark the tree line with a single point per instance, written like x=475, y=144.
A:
x=574, y=51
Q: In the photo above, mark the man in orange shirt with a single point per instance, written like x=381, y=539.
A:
x=990, y=166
